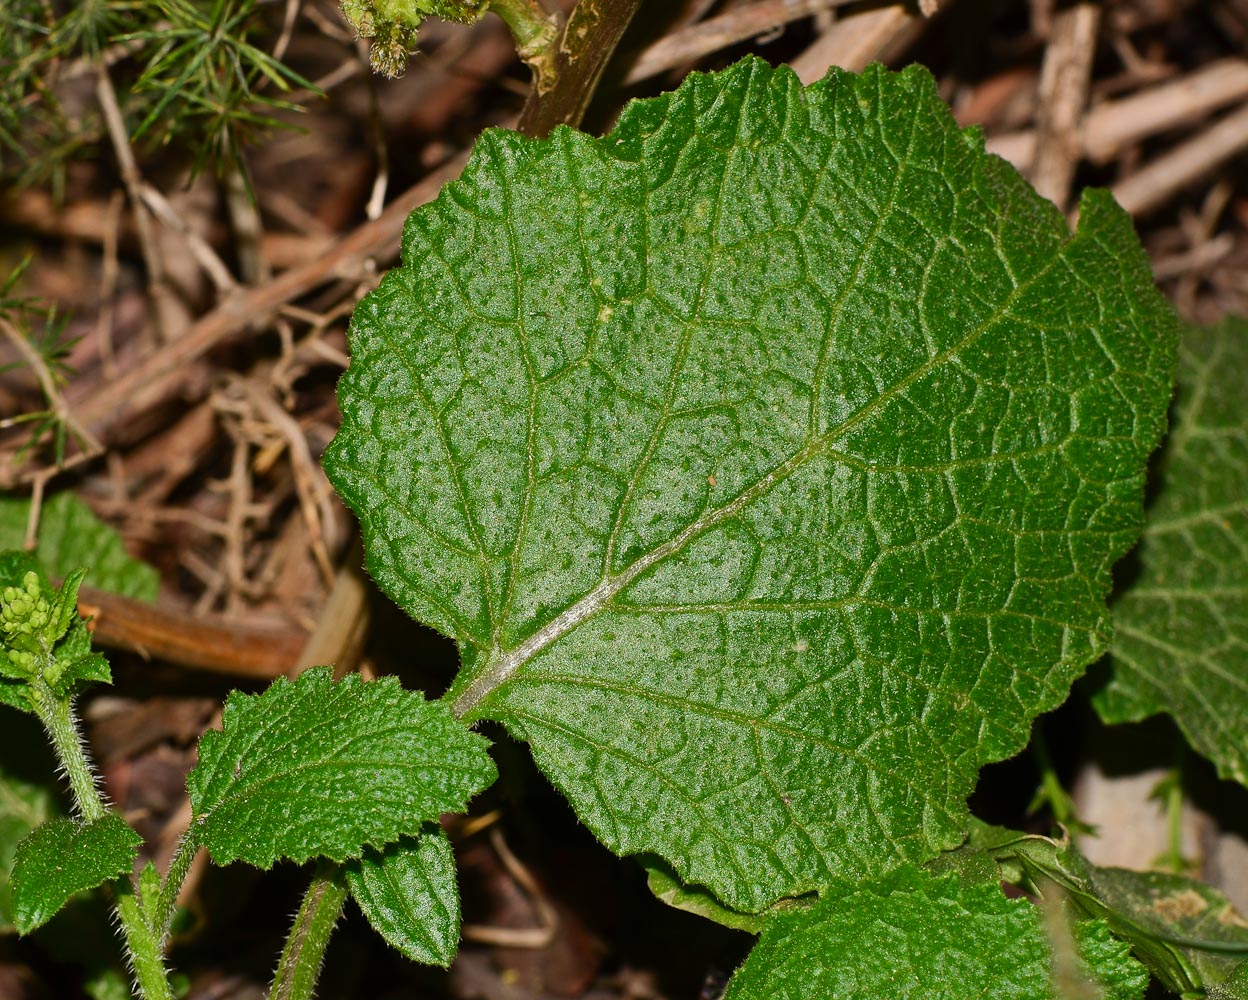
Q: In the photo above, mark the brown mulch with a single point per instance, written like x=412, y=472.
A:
x=207, y=390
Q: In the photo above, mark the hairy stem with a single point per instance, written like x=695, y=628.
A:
x=144, y=943
x=300, y=964
x=179, y=866
x=57, y=716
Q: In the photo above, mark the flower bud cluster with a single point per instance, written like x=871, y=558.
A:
x=24, y=610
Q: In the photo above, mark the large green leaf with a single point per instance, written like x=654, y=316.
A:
x=71, y=536
x=1181, y=627
x=317, y=768
x=767, y=459
x=916, y=935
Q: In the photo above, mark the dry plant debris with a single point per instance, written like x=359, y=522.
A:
x=183, y=386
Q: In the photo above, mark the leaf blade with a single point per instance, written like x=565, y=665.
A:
x=71, y=536
x=62, y=858
x=410, y=895
x=1181, y=642
x=737, y=483
x=916, y=935
x=323, y=768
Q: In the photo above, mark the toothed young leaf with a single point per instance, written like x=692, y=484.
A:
x=316, y=767
x=64, y=857
x=1185, y=932
x=1181, y=626
x=918, y=936
x=408, y=892
x=77, y=664
x=767, y=459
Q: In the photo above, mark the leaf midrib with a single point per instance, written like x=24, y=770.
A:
x=501, y=664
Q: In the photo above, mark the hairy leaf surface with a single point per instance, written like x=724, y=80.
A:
x=410, y=895
x=324, y=768
x=766, y=458
x=916, y=935
x=64, y=857
x=1181, y=627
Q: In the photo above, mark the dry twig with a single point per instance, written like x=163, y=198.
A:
x=1064, y=83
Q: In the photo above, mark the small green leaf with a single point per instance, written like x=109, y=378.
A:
x=1181, y=627
x=108, y=984
x=913, y=935
x=149, y=893
x=318, y=768
x=71, y=536
x=1234, y=987
x=24, y=805
x=409, y=893
x=1185, y=932
x=65, y=606
x=76, y=662
x=767, y=459
x=663, y=882
x=1106, y=961
x=15, y=693
x=64, y=857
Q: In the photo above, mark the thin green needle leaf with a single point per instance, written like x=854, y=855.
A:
x=767, y=459
x=64, y=857
x=318, y=768
x=1181, y=626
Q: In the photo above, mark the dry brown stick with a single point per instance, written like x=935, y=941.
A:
x=206, y=642
x=160, y=375
x=1064, y=81
x=1111, y=127
x=342, y=628
x=168, y=315
x=1200, y=258
x=1152, y=186
x=204, y=255
x=853, y=42
x=698, y=40
x=311, y=487
x=109, y=271
x=1170, y=105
